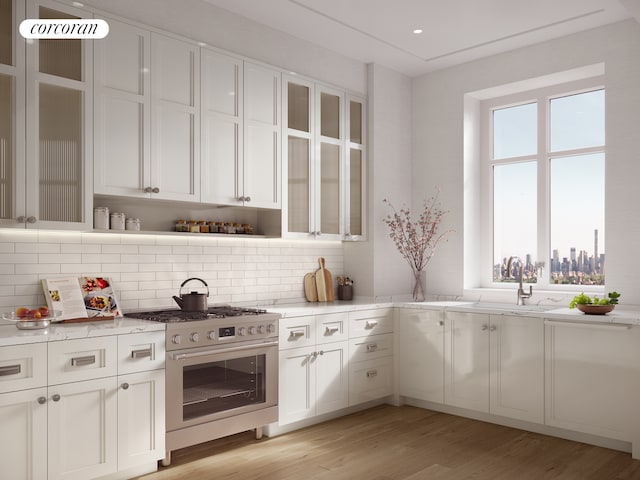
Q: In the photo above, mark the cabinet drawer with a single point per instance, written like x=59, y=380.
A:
x=375, y=346
x=370, y=380
x=297, y=332
x=82, y=359
x=370, y=322
x=332, y=328
x=139, y=352
x=23, y=366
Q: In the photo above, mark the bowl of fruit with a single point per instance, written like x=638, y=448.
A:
x=32, y=318
x=595, y=305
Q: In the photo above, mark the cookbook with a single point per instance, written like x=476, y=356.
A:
x=80, y=298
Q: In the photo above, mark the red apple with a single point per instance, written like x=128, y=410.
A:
x=44, y=311
x=22, y=312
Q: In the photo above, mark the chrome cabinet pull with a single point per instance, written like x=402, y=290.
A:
x=21, y=219
x=484, y=327
x=331, y=330
x=32, y=219
x=296, y=333
x=10, y=370
x=372, y=373
x=125, y=386
x=155, y=190
x=146, y=352
x=42, y=400
x=441, y=323
x=492, y=328
x=55, y=398
x=371, y=324
x=83, y=361
x=372, y=347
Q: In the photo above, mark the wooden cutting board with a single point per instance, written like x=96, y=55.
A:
x=310, y=288
x=324, y=283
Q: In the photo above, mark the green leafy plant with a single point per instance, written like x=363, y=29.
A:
x=582, y=299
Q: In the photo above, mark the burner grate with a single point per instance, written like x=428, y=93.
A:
x=174, y=316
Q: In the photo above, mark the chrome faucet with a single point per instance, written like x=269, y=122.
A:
x=521, y=293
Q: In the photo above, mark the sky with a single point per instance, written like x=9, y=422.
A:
x=576, y=187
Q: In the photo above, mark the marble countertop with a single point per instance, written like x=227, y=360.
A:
x=11, y=335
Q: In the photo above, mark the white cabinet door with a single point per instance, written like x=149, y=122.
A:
x=141, y=418
x=592, y=376
x=262, y=126
x=421, y=354
x=466, y=375
x=175, y=137
x=517, y=367
x=332, y=377
x=222, y=132
x=82, y=429
x=23, y=442
x=297, y=385
x=370, y=380
x=122, y=161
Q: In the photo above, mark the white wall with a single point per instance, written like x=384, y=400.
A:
x=148, y=269
x=438, y=141
x=379, y=270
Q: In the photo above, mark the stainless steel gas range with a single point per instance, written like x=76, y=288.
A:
x=221, y=372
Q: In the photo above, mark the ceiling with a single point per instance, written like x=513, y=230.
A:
x=454, y=31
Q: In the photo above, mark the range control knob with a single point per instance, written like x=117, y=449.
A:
x=194, y=337
x=252, y=330
x=271, y=328
x=211, y=335
x=176, y=339
x=262, y=329
x=242, y=331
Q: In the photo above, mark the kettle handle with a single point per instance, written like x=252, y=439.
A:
x=194, y=278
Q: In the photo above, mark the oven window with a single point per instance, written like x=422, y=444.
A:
x=220, y=386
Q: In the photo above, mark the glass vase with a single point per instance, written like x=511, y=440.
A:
x=418, y=286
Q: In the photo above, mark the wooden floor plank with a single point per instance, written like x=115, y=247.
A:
x=399, y=443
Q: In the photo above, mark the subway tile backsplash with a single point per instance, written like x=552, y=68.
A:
x=147, y=269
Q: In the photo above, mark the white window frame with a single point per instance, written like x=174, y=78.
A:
x=542, y=97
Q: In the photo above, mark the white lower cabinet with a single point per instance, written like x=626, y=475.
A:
x=141, y=418
x=23, y=442
x=421, y=354
x=495, y=364
x=82, y=429
x=593, y=378
x=85, y=422
x=313, y=378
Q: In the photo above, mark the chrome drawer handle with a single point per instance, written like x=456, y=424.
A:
x=82, y=361
x=331, y=330
x=146, y=352
x=372, y=373
x=372, y=347
x=10, y=370
x=371, y=324
x=296, y=333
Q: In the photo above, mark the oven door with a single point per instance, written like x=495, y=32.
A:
x=207, y=384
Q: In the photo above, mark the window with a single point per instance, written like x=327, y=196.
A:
x=544, y=185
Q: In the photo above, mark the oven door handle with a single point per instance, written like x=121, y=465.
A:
x=206, y=353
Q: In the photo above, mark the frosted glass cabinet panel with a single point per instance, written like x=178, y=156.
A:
x=61, y=160
x=299, y=184
x=354, y=227
x=6, y=32
x=62, y=58
x=355, y=192
x=330, y=115
x=299, y=107
x=330, y=189
x=6, y=146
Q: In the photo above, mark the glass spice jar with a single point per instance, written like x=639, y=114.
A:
x=248, y=229
x=101, y=218
x=231, y=228
x=204, y=226
x=181, y=226
x=132, y=224
x=194, y=227
x=117, y=221
x=239, y=228
x=212, y=227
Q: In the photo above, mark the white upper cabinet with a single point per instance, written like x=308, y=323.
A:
x=222, y=128
x=147, y=115
x=324, y=162
x=261, y=171
x=175, y=103
x=46, y=130
x=122, y=111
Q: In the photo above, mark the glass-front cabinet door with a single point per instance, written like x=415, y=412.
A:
x=45, y=123
x=12, y=121
x=324, y=173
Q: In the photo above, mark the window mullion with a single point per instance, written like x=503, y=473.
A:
x=544, y=211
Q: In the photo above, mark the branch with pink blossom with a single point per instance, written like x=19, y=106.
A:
x=417, y=240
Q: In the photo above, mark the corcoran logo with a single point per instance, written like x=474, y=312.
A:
x=64, y=28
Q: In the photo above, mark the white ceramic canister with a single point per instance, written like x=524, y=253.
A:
x=101, y=218
x=117, y=221
x=132, y=224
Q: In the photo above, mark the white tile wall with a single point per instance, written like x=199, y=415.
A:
x=147, y=269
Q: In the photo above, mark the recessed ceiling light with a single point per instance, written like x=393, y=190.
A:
x=417, y=31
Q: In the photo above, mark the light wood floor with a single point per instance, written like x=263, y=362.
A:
x=400, y=443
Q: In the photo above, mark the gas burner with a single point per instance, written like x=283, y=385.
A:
x=177, y=316
x=229, y=311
